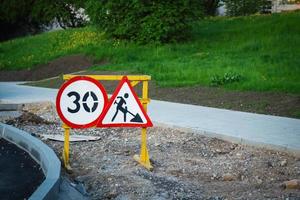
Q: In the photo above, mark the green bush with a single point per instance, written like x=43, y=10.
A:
x=210, y=7
x=147, y=21
x=228, y=77
x=246, y=7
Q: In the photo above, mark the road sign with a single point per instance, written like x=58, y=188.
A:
x=124, y=109
x=80, y=102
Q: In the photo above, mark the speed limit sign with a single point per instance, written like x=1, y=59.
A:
x=80, y=102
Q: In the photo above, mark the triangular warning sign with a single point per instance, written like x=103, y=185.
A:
x=124, y=109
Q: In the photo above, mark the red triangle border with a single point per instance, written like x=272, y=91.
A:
x=111, y=100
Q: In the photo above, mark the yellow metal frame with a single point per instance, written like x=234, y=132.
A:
x=143, y=158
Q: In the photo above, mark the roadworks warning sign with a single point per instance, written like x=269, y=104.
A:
x=124, y=109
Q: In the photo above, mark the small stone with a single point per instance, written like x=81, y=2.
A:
x=242, y=177
x=258, y=180
x=112, y=194
x=283, y=163
x=292, y=184
x=228, y=177
x=157, y=144
x=215, y=198
x=218, y=151
x=214, y=176
x=269, y=164
x=233, y=146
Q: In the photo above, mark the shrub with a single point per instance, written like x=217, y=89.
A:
x=210, y=7
x=228, y=77
x=145, y=21
x=246, y=7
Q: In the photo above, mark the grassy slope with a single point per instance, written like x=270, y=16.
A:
x=30, y=51
x=265, y=50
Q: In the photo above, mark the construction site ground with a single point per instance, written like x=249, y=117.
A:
x=187, y=165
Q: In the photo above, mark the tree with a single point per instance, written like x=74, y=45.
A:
x=31, y=16
x=245, y=7
x=145, y=21
x=68, y=13
x=210, y=7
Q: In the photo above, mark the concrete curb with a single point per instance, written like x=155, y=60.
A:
x=11, y=107
x=42, y=154
x=239, y=140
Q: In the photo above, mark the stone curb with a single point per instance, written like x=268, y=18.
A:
x=42, y=154
x=11, y=107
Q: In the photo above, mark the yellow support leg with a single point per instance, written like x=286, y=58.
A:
x=144, y=159
x=66, y=148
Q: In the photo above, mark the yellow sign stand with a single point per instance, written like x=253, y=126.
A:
x=143, y=158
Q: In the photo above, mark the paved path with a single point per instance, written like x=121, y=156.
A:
x=11, y=92
x=243, y=127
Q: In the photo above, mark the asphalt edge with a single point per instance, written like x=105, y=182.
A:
x=295, y=152
x=42, y=154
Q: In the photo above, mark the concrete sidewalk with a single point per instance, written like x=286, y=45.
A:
x=12, y=92
x=271, y=131
x=265, y=130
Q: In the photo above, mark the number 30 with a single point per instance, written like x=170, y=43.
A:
x=84, y=103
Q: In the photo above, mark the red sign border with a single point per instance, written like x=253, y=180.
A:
x=121, y=83
x=63, y=87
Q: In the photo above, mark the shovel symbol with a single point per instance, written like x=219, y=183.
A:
x=136, y=118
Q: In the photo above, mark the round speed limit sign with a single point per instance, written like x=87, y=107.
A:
x=80, y=102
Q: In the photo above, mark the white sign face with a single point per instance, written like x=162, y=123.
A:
x=81, y=102
x=124, y=109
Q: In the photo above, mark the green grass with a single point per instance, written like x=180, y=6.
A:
x=263, y=50
x=28, y=52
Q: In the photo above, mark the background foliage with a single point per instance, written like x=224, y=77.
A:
x=31, y=16
x=210, y=7
x=148, y=21
x=259, y=52
x=246, y=7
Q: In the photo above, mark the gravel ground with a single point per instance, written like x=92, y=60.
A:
x=186, y=165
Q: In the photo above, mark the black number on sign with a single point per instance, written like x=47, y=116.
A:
x=85, y=106
x=77, y=98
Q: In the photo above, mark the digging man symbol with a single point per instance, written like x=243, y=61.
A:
x=124, y=110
